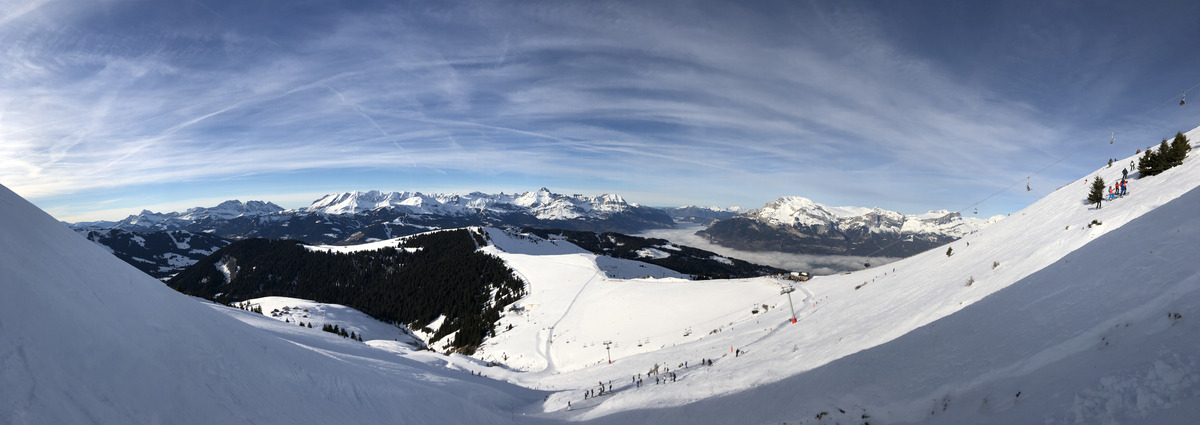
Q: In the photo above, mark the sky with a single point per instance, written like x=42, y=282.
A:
x=111, y=107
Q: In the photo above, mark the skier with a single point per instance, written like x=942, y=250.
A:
x=568, y=405
x=1124, y=173
x=1124, y=187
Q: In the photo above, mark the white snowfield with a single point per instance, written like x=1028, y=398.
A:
x=1040, y=319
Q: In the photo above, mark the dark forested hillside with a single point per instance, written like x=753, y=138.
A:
x=748, y=234
x=684, y=259
x=161, y=253
x=431, y=275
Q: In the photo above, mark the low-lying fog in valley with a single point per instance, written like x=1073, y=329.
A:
x=685, y=234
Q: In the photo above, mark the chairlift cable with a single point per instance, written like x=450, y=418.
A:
x=1124, y=125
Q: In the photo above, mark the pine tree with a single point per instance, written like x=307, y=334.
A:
x=1179, y=149
x=1163, y=159
x=1097, y=193
x=949, y=251
x=1146, y=165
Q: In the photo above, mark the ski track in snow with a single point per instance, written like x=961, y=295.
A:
x=549, y=353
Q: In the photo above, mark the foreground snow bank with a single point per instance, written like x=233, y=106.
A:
x=89, y=339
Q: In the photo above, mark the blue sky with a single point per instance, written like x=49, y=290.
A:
x=108, y=107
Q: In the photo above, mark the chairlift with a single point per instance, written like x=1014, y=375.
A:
x=977, y=211
x=1027, y=189
x=1183, y=101
x=1114, y=138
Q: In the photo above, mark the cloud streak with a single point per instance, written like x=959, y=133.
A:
x=685, y=103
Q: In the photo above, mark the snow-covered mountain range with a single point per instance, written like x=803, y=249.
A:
x=149, y=221
x=354, y=217
x=542, y=204
x=359, y=216
x=797, y=224
x=790, y=224
x=1062, y=313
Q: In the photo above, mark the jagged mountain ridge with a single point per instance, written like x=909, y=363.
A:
x=228, y=210
x=703, y=215
x=355, y=217
x=542, y=204
x=797, y=224
x=358, y=216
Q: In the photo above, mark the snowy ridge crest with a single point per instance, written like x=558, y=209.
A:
x=796, y=211
x=542, y=203
x=149, y=220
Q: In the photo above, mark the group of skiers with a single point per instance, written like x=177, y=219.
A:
x=1119, y=189
x=662, y=375
x=596, y=393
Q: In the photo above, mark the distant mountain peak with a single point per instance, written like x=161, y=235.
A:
x=541, y=203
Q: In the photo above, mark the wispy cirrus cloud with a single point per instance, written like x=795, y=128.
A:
x=684, y=103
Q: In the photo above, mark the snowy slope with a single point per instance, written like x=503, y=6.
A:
x=1045, y=255
x=296, y=311
x=1061, y=323
x=89, y=339
x=578, y=300
x=1091, y=338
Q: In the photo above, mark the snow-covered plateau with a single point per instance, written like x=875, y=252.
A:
x=1061, y=313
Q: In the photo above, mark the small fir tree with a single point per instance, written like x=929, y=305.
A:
x=1163, y=158
x=1146, y=164
x=949, y=251
x=1179, y=149
x=1097, y=193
